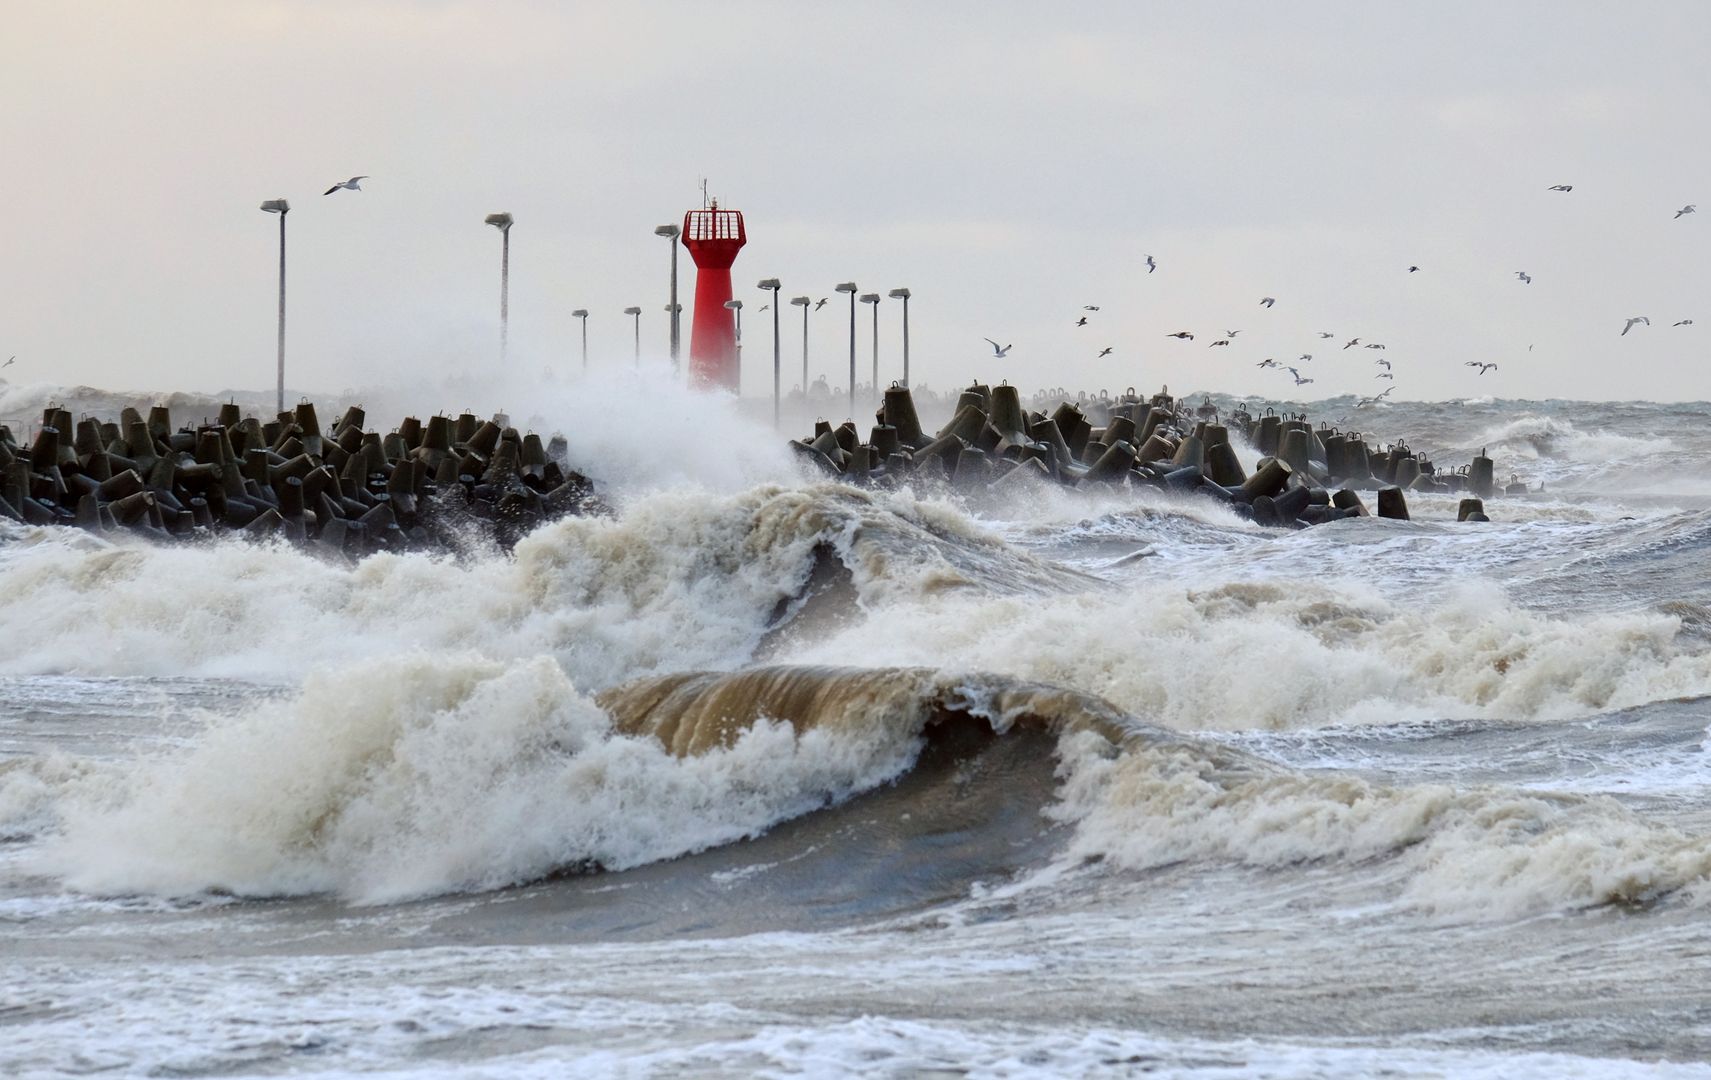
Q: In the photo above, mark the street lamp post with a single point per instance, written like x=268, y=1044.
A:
x=873, y=298
x=737, y=306
x=582, y=313
x=670, y=233
x=673, y=310
x=280, y=207
x=903, y=295
x=803, y=302
x=636, y=314
x=850, y=287
x=771, y=285
x=502, y=222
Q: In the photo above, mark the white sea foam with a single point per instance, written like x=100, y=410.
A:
x=1484, y=853
x=1293, y=653
x=423, y=775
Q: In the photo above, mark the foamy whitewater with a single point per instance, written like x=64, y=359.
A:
x=764, y=775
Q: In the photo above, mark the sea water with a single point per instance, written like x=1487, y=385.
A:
x=1068, y=785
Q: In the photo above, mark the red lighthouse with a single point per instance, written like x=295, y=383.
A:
x=713, y=237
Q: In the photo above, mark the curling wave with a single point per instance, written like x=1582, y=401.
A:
x=427, y=777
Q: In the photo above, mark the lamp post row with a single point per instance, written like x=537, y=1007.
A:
x=504, y=221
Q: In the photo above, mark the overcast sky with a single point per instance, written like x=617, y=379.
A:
x=1009, y=162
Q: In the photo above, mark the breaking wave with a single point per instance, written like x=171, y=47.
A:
x=420, y=777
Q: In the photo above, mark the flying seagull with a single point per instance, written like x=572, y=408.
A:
x=1081, y=321
x=1688, y=209
x=1220, y=341
x=1483, y=368
x=1375, y=400
x=1526, y=278
x=1305, y=356
x=10, y=359
x=1560, y=187
x=1382, y=360
x=1268, y=301
x=1231, y=333
x=1375, y=346
x=1352, y=343
x=1631, y=322
x=1327, y=335
x=1090, y=307
x=1151, y=266
x=1684, y=322
x=1384, y=375
x=1267, y=362
x=820, y=303
x=1299, y=379
x=1106, y=351
x=349, y=185
x=997, y=350
x=1183, y=334
x=1412, y=269
x=763, y=307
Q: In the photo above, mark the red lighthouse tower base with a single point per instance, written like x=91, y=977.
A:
x=713, y=237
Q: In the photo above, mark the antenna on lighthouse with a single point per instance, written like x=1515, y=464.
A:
x=703, y=193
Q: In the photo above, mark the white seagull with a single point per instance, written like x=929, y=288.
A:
x=1684, y=322
x=1688, y=209
x=1526, y=278
x=1483, y=368
x=998, y=351
x=1381, y=360
x=1560, y=187
x=1151, y=266
x=1268, y=301
x=10, y=359
x=1305, y=356
x=1631, y=322
x=348, y=185
x=1326, y=334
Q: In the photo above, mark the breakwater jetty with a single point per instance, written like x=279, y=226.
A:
x=346, y=488
x=1307, y=474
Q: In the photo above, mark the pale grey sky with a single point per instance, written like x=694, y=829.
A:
x=1009, y=162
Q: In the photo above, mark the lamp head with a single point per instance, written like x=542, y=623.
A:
x=666, y=230
x=579, y=313
x=734, y=305
x=502, y=222
x=769, y=284
x=870, y=298
x=632, y=311
x=801, y=301
x=899, y=294
x=276, y=206
x=848, y=286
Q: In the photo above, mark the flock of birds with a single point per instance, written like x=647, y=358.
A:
x=1001, y=351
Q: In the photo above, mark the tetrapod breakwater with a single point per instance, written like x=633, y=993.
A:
x=347, y=489
x=1306, y=475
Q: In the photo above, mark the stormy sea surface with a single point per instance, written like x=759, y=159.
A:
x=765, y=775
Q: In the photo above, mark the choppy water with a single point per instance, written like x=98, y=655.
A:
x=770, y=776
